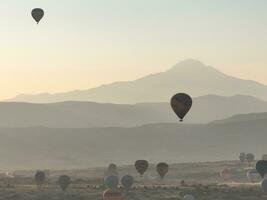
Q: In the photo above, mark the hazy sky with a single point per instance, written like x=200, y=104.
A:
x=84, y=43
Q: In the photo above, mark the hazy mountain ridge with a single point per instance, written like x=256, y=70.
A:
x=89, y=114
x=189, y=76
x=70, y=148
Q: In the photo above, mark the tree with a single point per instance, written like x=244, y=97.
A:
x=250, y=158
x=242, y=157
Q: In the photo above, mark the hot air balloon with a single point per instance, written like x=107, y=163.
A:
x=188, y=197
x=64, y=182
x=112, y=195
x=253, y=175
x=141, y=166
x=162, y=169
x=261, y=167
x=37, y=14
x=112, y=170
x=39, y=178
x=127, y=181
x=111, y=182
x=181, y=104
x=264, y=185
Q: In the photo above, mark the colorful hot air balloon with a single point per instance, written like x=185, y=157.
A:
x=37, y=14
x=261, y=167
x=181, y=104
x=253, y=175
x=188, y=197
x=39, y=178
x=64, y=182
x=112, y=195
x=127, y=181
x=162, y=169
x=141, y=166
x=111, y=182
x=264, y=185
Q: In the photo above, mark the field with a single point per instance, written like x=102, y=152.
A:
x=200, y=179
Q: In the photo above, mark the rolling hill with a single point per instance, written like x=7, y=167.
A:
x=188, y=76
x=88, y=114
x=86, y=147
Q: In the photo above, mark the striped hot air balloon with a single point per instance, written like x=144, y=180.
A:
x=141, y=166
x=112, y=195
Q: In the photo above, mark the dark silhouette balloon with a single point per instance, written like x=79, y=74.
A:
x=181, y=104
x=37, y=14
x=111, y=171
x=64, y=182
x=141, y=166
x=39, y=178
x=112, y=195
x=261, y=167
x=111, y=182
x=127, y=181
x=162, y=169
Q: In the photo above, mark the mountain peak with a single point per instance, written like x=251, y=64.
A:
x=189, y=63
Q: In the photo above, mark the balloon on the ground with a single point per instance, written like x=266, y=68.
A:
x=111, y=182
x=162, y=169
x=64, y=182
x=37, y=14
x=39, y=178
x=141, y=166
x=188, y=197
x=181, y=104
x=261, y=167
x=112, y=195
x=264, y=185
x=127, y=181
x=253, y=175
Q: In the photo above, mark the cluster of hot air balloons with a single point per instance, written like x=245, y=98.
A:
x=111, y=179
x=63, y=181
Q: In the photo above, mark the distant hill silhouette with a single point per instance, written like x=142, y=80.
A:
x=243, y=118
x=71, y=148
x=88, y=114
x=188, y=76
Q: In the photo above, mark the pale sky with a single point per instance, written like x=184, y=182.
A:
x=81, y=44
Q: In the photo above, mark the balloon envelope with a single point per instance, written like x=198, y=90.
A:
x=127, y=181
x=264, y=185
x=64, y=182
x=112, y=170
x=141, y=166
x=181, y=104
x=189, y=197
x=37, y=14
x=39, y=178
x=112, y=195
x=162, y=169
x=111, y=182
x=261, y=167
